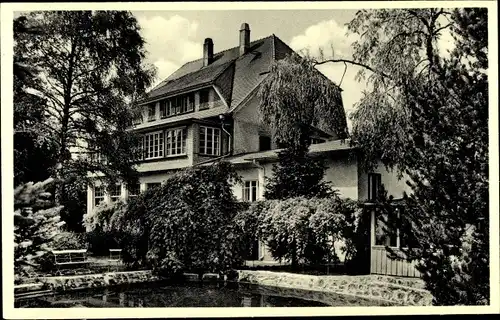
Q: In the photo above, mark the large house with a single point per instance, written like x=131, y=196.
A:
x=208, y=109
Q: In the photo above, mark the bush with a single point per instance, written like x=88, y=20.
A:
x=189, y=224
x=69, y=241
x=192, y=221
x=304, y=230
x=100, y=235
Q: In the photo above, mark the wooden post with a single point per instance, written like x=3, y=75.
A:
x=372, y=236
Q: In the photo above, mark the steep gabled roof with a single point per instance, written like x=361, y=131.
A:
x=244, y=72
x=197, y=78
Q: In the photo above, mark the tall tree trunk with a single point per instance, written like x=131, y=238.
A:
x=63, y=152
x=294, y=254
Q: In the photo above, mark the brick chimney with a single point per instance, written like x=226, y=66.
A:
x=208, y=52
x=244, y=38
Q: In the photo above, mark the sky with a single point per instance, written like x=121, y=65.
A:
x=176, y=37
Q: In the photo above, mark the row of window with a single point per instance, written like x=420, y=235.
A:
x=115, y=192
x=172, y=142
x=250, y=191
x=175, y=106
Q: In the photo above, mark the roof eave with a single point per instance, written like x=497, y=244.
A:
x=274, y=156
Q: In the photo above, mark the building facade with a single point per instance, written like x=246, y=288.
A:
x=209, y=109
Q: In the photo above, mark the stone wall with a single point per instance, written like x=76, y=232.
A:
x=64, y=283
x=384, y=289
x=397, y=291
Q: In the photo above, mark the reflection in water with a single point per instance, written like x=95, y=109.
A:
x=192, y=295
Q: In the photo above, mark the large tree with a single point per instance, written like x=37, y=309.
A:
x=292, y=106
x=32, y=151
x=426, y=116
x=91, y=70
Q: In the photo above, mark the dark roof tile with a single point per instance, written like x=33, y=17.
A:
x=249, y=70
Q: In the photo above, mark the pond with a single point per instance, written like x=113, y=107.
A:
x=192, y=295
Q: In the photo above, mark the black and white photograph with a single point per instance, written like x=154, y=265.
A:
x=280, y=158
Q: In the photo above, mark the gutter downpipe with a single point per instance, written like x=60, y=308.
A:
x=229, y=149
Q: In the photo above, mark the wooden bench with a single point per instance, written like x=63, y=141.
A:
x=66, y=259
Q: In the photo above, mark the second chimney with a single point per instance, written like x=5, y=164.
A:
x=244, y=38
x=208, y=52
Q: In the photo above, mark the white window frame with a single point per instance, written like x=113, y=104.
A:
x=113, y=197
x=204, y=104
x=148, y=148
x=133, y=195
x=102, y=195
x=377, y=178
x=151, y=117
x=100, y=158
x=203, y=145
x=171, y=147
x=397, y=231
x=249, y=192
x=164, y=108
x=186, y=104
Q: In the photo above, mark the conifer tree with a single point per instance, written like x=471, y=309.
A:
x=36, y=225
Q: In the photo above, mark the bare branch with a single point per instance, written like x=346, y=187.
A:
x=345, y=69
x=87, y=92
x=353, y=63
x=442, y=28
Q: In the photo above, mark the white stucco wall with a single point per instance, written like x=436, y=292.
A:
x=342, y=173
x=394, y=185
x=248, y=127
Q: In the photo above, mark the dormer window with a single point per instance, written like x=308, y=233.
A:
x=204, y=99
x=151, y=112
x=164, y=108
x=180, y=104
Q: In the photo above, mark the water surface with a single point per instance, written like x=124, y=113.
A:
x=192, y=295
